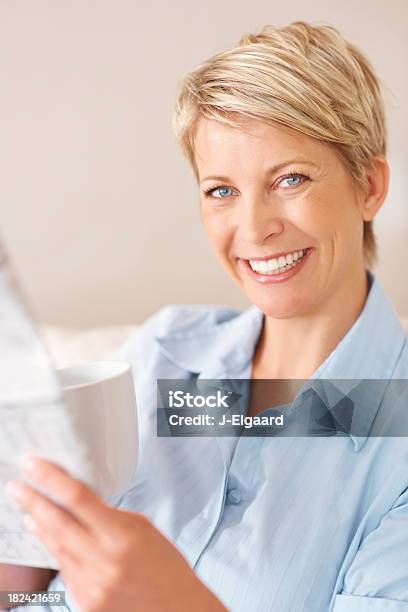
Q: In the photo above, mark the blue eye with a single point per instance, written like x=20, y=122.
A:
x=292, y=180
x=224, y=192
x=288, y=181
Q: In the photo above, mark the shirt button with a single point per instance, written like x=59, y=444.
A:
x=234, y=496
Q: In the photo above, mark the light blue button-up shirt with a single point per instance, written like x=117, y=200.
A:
x=283, y=524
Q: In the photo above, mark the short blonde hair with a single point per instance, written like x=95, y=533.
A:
x=306, y=77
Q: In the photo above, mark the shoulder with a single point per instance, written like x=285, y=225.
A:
x=401, y=368
x=176, y=320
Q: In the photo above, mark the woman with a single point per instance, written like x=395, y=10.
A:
x=287, y=139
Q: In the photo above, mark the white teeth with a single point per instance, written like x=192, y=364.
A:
x=273, y=265
x=276, y=265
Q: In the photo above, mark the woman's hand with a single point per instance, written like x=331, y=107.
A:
x=109, y=559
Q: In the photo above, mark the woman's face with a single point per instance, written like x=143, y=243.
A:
x=282, y=214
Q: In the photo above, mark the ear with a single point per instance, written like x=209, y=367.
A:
x=378, y=181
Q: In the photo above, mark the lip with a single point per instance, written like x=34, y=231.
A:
x=266, y=279
x=276, y=255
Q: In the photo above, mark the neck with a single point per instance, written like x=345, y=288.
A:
x=294, y=348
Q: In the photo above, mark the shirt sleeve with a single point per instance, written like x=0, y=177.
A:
x=377, y=580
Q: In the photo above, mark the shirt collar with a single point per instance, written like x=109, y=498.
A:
x=369, y=350
x=214, y=347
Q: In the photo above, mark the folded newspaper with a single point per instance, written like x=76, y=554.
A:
x=33, y=418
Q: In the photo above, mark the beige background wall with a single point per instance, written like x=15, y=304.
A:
x=96, y=203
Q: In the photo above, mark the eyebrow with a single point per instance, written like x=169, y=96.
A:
x=268, y=172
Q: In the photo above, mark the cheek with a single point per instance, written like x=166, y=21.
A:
x=218, y=230
x=327, y=215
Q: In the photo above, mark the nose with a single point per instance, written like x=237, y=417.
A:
x=258, y=219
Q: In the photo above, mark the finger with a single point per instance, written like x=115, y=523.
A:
x=83, y=589
x=65, y=545
x=54, y=525
x=55, y=546
x=77, y=497
x=84, y=580
x=88, y=582
x=76, y=581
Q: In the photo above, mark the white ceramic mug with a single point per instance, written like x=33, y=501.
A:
x=101, y=398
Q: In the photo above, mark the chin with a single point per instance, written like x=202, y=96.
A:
x=283, y=308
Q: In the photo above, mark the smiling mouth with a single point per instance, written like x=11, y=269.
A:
x=277, y=265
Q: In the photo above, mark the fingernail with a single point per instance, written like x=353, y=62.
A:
x=14, y=490
x=29, y=463
x=29, y=523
